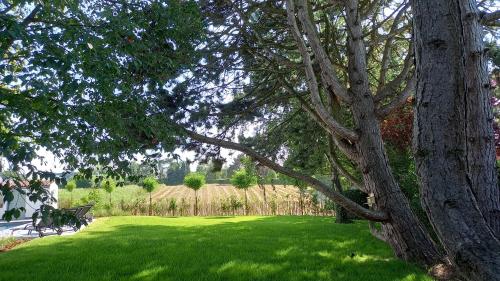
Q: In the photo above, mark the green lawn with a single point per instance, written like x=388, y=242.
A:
x=210, y=248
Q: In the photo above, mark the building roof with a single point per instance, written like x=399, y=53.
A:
x=23, y=184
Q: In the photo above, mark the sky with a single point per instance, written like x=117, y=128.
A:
x=49, y=162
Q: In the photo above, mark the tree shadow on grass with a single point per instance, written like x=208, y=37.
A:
x=258, y=248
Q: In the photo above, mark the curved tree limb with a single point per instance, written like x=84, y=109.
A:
x=491, y=19
x=317, y=184
x=348, y=149
x=334, y=161
x=327, y=70
x=389, y=88
x=332, y=124
x=398, y=101
x=388, y=47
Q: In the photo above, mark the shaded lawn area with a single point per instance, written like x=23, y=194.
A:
x=210, y=248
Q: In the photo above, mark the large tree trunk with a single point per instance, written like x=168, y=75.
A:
x=453, y=136
x=340, y=213
x=481, y=150
x=404, y=232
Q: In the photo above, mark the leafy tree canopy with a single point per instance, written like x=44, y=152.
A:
x=243, y=180
x=150, y=184
x=194, y=181
x=108, y=185
x=70, y=186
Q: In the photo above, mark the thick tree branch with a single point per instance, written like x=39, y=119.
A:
x=317, y=184
x=328, y=75
x=399, y=101
x=358, y=69
x=386, y=55
x=334, y=161
x=491, y=19
x=348, y=149
x=390, y=87
x=332, y=124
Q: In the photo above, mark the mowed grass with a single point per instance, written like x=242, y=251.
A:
x=209, y=248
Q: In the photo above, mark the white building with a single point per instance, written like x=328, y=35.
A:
x=22, y=200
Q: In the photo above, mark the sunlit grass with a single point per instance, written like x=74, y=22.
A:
x=192, y=248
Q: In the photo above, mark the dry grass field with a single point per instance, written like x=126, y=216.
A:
x=222, y=199
x=217, y=192
x=213, y=200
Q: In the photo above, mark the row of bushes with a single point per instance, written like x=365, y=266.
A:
x=230, y=206
x=309, y=204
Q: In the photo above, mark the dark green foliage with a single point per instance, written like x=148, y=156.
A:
x=176, y=172
x=357, y=196
x=73, y=75
x=84, y=183
x=494, y=55
x=403, y=166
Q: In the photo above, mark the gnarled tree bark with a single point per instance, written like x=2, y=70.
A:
x=453, y=135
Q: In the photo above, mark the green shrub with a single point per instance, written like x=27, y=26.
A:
x=242, y=180
x=93, y=197
x=150, y=184
x=194, y=181
x=183, y=206
x=70, y=186
x=172, y=206
x=235, y=203
x=109, y=186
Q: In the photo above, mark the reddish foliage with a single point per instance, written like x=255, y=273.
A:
x=495, y=102
x=397, y=128
x=496, y=127
x=13, y=244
